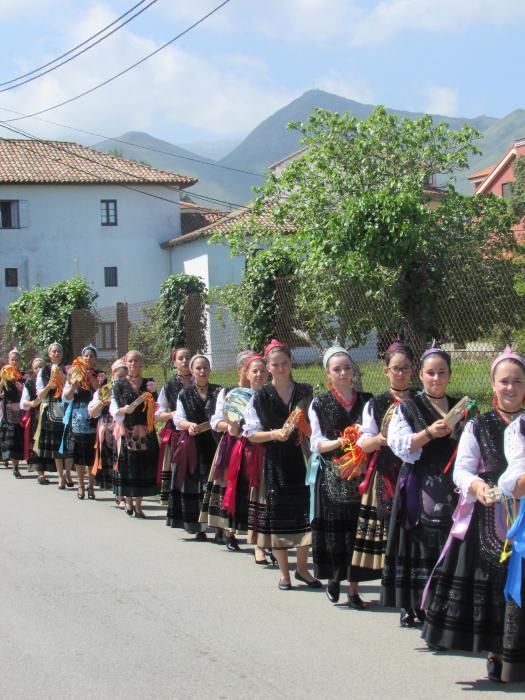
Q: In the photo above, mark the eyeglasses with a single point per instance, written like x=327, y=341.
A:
x=400, y=370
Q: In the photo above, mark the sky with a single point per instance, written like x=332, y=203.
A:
x=452, y=57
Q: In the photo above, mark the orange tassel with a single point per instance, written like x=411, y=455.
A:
x=149, y=406
x=353, y=456
x=58, y=379
x=297, y=420
x=10, y=373
x=80, y=369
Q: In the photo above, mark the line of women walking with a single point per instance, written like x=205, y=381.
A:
x=393, y=487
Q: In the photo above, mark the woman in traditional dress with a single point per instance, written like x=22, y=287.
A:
x=105, y=445
x=50, y=430
x=379, y=485
x=465, y=606
x=30, y=403
x=11, y=429
x=133, y=407
x=166, y=406
x=425, y=497
x=280, y=520
x=78, y=391
x=336, y=498
x=512, y=483
x=195, y=449
x=236, y=466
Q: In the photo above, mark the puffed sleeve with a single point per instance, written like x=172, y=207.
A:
x=39, y=381
x=24, y=399
x=369, y=426
x=467, y=463
x=252, y=424
x=113, y=408
x=219, y=410
x=94, y=401
x=65, y=390
x=514, y=443
x=162, y=404
x=180, y=414
x=399, y=438
x=317, y=436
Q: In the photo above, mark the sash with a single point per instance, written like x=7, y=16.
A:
x=314, y=464
x=38, y=430
x=223, y=454
x=363, y=486
x=461, y=519
x=185, y=456
x=232, y=475
x=25, y=424
x=514, y=581
x=409, y=498
x=66, y=420
x=99, y=441
x=165, y=435
x=253, y=463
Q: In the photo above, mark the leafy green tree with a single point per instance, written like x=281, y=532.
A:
x=517, y=200
x=368, y=248
x=183, y=312
x=41, y=315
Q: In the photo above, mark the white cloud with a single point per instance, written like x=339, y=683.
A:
x=391, y=17
x=177, y=89
x=441, y=100
x=350, y=86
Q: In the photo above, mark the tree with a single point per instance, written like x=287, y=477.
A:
x=183, y=312
x=517, y=200
x=367, y=248
x=41, y=315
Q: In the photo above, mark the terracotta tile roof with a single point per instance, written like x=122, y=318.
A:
x=481, y=173
x=63, y=162
x=191, y=221
x=221, y=226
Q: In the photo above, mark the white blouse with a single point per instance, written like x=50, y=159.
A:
x=317, y=436
x=219, y=410
x=39, y=381
x=399, y=438
x=24, y=399
x=162, y=404
x=468, y=459
x=514, y=443
x=368, y=424
x=252, y=424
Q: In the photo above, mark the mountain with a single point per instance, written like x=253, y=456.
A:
x=213, y=150
x=270, y=141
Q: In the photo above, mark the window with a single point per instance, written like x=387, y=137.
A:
x=110, y=277
x=506, y=190
x=11, y=277
x=105, y=338
x=108, y=212
x=13, y=213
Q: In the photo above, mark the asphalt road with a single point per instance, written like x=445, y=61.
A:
x=98, y=605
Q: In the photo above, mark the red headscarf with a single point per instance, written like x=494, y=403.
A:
x=273, y=345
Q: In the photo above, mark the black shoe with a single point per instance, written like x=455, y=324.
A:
x=130, y=511
x=219, y=537
x=314, y=583
x=261, y=562
x=16, y=473
x=70, y=484
x=436, y=647
x=140, y=515
x=201, y=537
x=43, y=481
x=406, y=618
x=285, y=586
x=355, y=602
x=232, y=545
x=420, y=615
x=333, y=589
x=494, y=669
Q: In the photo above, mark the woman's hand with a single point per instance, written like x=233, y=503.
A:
x=280, y=434
x=480, y=489
x=234, y=429
x=123, y=410
x=439, y=429
x=192, y=429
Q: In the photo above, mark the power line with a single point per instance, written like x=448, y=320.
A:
x=57, y=147
x=42, y=72
x=129, y=68
x=130, y=143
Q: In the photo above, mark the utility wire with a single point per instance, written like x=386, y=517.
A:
x=58, y=147
x=129, y=68
x=130, y=143
x=79, y=53
x=78, y=46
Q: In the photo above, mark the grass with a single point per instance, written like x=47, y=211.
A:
x=469, y=377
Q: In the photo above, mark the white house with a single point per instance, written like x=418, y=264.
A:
x=67, y=209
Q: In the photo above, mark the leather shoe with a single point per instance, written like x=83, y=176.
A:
x=406, y=618
x=355, y=602
x=285, y=586
x=332, y=591
x=314, y=583
x=140, y=514
x=201, y=537
x=232, y=545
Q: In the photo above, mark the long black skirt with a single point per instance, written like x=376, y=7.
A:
x=137, y=470
x=12, y=440
x=514, y=640
x=51, y=433
x=465, y=608
x=83, y=448
x=185, y=503
x=333, y=533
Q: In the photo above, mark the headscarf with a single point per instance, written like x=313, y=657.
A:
x=196, y=357
x=251, y=358
x=89, y=346
x=335, y=350
x=52, y=345
x=118, y=364
x=274, y=345
x=436, y=349
x=174, y=353
x=507, y=354
x=241, y=357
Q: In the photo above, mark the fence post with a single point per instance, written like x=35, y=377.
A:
x=122, y=329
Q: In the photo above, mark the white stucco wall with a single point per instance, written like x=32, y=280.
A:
x=65, y=238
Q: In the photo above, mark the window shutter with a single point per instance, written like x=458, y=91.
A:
x=23, y=213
